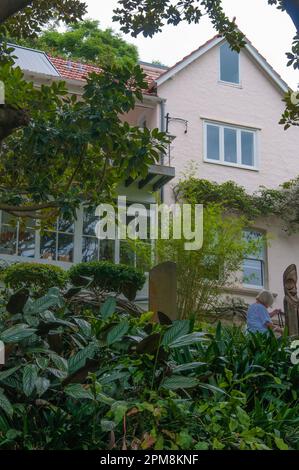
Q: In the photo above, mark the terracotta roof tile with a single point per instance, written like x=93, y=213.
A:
x=72, y=70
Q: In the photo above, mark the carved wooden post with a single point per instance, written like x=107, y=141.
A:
x=163, y=289
x=291, y=300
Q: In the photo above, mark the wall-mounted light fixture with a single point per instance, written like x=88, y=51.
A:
x=177, y=119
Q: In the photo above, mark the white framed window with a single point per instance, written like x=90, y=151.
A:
x=57, y=244
x=94, y=249
x=17, y=237
x=22, y=238
x=229, y=65
x=254, y=265
x=65, y=242
x=230, y=145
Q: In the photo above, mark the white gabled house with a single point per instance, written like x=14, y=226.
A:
x=223, y=109
x=232, y=104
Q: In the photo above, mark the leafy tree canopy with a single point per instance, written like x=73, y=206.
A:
x=56, y=150
x=149, y=16
x=282, y=202
x=25, y=18
x=85, y=41
x=73, y=150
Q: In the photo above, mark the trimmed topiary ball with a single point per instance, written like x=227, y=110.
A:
x=35, y=276
x=104, y=276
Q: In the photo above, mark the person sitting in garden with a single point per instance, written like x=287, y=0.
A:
x=258, y=317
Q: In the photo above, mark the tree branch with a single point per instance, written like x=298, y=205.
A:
x=35, y=215
x=10, y=7
x=33, y=208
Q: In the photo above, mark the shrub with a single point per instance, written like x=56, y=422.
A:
x=203, y=274
x=69, y=383
x=35, y=276
x=108, y=277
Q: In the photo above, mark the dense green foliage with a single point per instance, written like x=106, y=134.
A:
x=29, y=21
x=150, y=16
x=104, y=276
x=203, y=274
x=64, y=154
x=282, y=202
x=85, y=41
x=36, y=276
x=113, y=381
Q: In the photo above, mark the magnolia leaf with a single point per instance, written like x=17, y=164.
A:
x=17, y=301
x=164, y=319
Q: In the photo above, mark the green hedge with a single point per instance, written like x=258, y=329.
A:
x=36, y=276
x=108, y=277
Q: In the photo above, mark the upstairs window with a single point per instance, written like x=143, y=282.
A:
x=232, y=146
x=229, y=65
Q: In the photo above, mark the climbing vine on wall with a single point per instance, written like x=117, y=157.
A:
x=282, y=202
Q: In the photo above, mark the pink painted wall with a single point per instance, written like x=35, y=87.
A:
x=195, y=93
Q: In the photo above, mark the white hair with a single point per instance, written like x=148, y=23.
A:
x=266, y=298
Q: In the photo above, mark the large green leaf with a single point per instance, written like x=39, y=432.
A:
x=117, y=332
x=108, y=308
x=5, y=404
x=212, y=388
x=179, y=381
x=60, y=374
x=84, y=326
x=16, y=333
x=78, y=392
x=77, y=361
x=42, y=384
x=178, y=329
x=59, y=362
x=8, y=372
x=188, y=366
x=281, y=444
x=29, y=379
x=187, y=340
x=42, y=304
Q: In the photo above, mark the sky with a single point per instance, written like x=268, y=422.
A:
x=270, y=30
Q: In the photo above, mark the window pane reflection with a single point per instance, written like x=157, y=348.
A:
x=8, y=240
